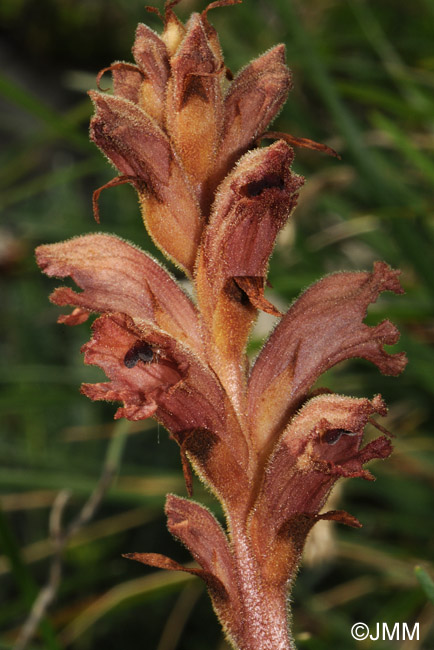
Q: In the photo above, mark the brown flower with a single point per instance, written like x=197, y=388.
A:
x=323, y=327
x=187, y=137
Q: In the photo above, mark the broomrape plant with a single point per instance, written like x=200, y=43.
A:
x=186, y=134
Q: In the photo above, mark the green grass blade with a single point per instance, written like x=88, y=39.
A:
x=414, y=240
x=46, y=181
x=24, y=580
x=425, y=582
x=405, y=145
x=27, y=101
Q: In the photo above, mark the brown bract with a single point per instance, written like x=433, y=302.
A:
x=187, y=135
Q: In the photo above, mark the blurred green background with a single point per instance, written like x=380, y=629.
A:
x=364, y=84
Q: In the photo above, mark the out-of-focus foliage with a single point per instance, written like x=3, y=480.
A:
x=364, y=81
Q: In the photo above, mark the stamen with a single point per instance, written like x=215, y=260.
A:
x=141, y=351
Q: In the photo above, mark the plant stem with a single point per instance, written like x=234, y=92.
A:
x=264, y=604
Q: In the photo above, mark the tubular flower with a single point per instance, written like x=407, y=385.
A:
x=186, y=135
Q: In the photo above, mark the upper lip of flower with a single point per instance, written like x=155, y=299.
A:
x=117, y=277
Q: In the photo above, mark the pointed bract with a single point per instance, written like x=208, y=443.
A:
x=163, y=562
x=201, y=533
x=152, y=58
x=194, y=98
x=174, y=30
x=255, y=97
x=127, y=81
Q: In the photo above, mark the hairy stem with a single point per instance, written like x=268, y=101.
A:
x=264, y=604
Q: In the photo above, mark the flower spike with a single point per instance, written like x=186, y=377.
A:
x=269, y=445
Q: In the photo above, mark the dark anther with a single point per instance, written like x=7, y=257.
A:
x=332, y=436
x=270, y=181
x=141, y=351
x=236, y=293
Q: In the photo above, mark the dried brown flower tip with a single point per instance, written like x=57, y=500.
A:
x=186, y=134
